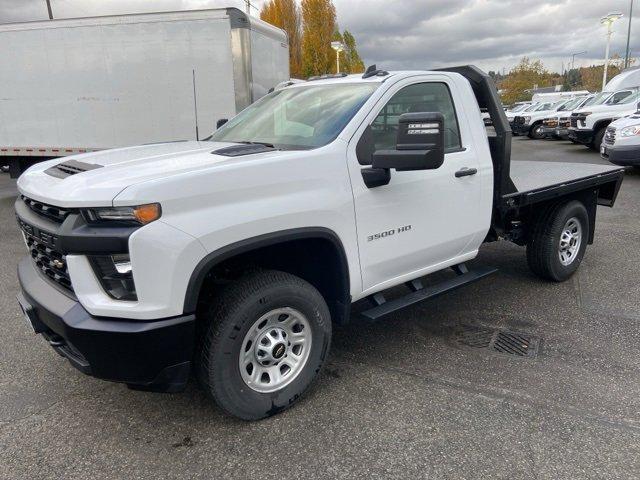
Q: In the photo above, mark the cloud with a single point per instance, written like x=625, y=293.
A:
x=418, y=34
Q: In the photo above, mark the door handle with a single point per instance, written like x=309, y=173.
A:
x=466, y=172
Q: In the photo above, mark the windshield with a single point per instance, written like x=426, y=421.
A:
x=297, y=118
x=600, y=98
x=623, y=98
x=571, y=104
x=519, y=108
x=591, y=101
x=543, y=106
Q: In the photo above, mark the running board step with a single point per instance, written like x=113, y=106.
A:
x=464, y=277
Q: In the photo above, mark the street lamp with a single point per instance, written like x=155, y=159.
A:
x=573, y=58
x=608, y=21
x=626, y=57
x=338, y=47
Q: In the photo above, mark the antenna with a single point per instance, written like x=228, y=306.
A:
x=195, y=103
x=49, y=9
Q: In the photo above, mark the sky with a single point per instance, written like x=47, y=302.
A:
x=421, y=34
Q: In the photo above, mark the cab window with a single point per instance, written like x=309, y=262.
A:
x=421, y=97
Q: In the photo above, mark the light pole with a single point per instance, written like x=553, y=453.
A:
x=573, y=58
x=608, y=21
x=338, y=47
x=626, y=57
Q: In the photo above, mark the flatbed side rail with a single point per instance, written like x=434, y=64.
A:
x=608, y=185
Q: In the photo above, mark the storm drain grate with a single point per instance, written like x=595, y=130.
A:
x=496, y=340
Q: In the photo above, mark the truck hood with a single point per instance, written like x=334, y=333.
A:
x=633, y=119
x=111, y=171
x=607, y=108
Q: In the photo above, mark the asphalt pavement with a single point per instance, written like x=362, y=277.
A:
x=400, y=398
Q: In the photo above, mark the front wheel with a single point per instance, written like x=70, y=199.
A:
x=266, y=339
x=558, y=241
x=536, y=132
x=597, y=140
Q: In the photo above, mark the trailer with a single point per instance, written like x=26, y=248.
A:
x=81, y=85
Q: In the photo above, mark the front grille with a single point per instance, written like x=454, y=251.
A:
x=577, y=117
x=610, y=136
x=564, y=122
x=57, y=214
x=518, y=120
x=550, y=122
x=45, y=256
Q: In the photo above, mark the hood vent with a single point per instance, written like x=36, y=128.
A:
x=244, y=149
x=70, y=167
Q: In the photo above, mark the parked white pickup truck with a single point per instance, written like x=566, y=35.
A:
x=589, y=124
x=234, y=256
x=531, y=123
x=551, y=126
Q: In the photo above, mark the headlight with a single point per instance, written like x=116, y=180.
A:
x=585, y=114
x=527, y=119
x=630, y=131
x=141, y=214
x=115, y=275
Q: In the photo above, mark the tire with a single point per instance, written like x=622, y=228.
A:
x=240, y=321
x=546, y=255
x=596, y=143
x=535, y=132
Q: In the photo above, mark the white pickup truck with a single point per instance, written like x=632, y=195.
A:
x=589, y=124
x=234, y=256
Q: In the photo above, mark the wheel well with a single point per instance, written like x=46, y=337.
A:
x=320, y=260
x=589, y=198
x=600, y=124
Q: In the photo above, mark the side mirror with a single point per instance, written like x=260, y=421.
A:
x=221, y=122
x=419, y=145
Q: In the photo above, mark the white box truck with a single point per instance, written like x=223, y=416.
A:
x=78, y=85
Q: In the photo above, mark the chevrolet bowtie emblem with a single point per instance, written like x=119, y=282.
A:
x=58, y=263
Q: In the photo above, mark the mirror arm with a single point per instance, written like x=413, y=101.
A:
x=376, y=177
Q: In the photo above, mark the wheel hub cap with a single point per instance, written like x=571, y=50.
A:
x=570, y=241
x=275, y=350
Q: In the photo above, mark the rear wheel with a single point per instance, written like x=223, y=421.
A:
x=266, y=338
x=558, y=241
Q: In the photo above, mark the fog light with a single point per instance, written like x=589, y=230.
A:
x=115, y=275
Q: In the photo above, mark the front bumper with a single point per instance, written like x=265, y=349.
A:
x=150, y=355
x=521, y=128
x=548, y=131
x=562, y=133
x=627, y=155
x=584, y=136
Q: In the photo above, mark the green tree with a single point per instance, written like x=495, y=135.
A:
x=353, y=60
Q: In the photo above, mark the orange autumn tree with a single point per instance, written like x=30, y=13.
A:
x=311, y=28
x=285, y=14
x=319, y=26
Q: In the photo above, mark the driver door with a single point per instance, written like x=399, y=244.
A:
x=423, y=220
